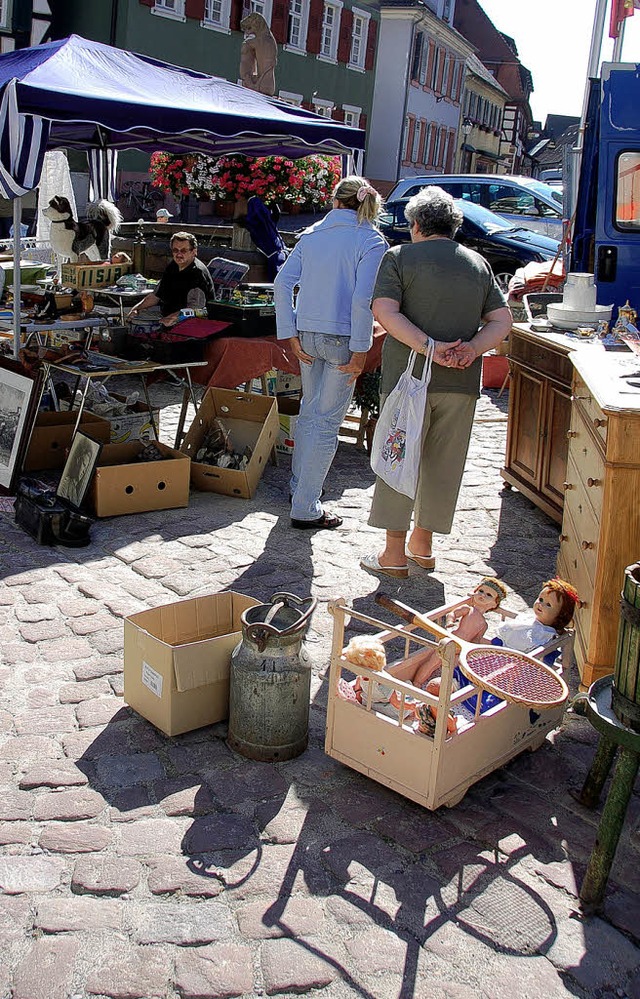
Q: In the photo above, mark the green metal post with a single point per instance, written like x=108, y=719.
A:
x=598, y=773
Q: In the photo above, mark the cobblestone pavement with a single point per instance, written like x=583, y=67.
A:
x=135, y=865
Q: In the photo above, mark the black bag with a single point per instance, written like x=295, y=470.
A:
x=48, y=519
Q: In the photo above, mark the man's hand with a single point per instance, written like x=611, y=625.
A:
x=464, y=355
x=297, y=351
x=444, y=353
x=355, y=367
x=169, y=320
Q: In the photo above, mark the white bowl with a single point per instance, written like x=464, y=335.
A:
x=569, y=319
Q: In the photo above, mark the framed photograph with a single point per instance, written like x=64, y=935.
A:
x=79, y=468
x=17, y=411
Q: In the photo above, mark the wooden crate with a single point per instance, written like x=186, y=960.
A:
x=82, y=276
x=431, y=771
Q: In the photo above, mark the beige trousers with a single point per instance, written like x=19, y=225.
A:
x=446, y=432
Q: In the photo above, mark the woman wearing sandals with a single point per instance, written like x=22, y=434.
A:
x=329, y=329
x=433, y=287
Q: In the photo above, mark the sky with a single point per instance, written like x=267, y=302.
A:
x=553, y=38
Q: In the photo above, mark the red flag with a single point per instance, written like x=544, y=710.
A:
x=619, y=10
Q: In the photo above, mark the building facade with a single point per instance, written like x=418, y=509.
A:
x=418, y=90
x=483, y=106
x=23, y=23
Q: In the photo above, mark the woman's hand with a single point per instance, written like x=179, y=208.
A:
x=355, y=367
x=297, y=351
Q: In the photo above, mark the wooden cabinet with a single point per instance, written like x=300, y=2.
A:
x=601, y=524
x=539, y=417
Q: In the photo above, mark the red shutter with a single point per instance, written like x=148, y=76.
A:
x=410, y=133
x=370, y=57
x=423, y=141
x=235, y=15
x=314, y=30
x=338, y=114
x=147, y=3
x=346, y=31
x=195, y=9
x=438, y=86
x=432, y=143
x=280, y=20
x=448, y=91
x=363, y=120
x=432, y=55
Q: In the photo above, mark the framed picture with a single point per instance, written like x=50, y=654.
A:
x=18, y=399
x=79, y=468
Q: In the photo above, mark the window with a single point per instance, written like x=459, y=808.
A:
x=170, y=8
x=330, y=30
x=455, y=80
x=418, y=49
x=322, y=107
x=434, y=69
x=445, y=75
x=297, y=29
x=416, y=140
x=359, y=32
x=288, y=98
x=627, y=207
x=351, y=115
x=216, y=14
x=263, y=7
x=4, y=13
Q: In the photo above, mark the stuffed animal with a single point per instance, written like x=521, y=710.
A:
x=89, y=239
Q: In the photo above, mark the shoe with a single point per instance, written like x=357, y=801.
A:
x=327, y=522
x=371, y=564
x=424, y=561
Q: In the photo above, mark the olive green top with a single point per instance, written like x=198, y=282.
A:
x=445, y=289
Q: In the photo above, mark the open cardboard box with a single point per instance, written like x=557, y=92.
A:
x=51, y=437
x=82, y=276
x=177, y=659
x=288, y=412
x=135, y=425
x=252, y=421
x=123, y=485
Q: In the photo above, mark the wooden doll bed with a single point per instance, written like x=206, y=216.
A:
x=438, y=770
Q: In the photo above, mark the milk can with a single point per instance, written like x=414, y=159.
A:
x=270, y=680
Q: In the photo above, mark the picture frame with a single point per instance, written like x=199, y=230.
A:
x=78, y=470
x=18, y=402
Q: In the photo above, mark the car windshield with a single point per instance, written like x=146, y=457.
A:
x=541, y=189
x=488, y=221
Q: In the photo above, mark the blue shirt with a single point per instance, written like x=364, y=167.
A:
x=334, y=263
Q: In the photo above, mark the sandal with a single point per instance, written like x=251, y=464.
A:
x=424, y=561
x=371, y=563
x=327, y=522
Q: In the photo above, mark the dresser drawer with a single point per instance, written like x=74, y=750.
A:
x=540, y=358
x=583, y=519
x=573, y=567
x=591, y=412
x=586, y=463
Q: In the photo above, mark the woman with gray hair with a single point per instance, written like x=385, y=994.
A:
x=329, y=329
x=433, y=288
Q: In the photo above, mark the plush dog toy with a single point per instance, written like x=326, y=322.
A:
x=90, y=238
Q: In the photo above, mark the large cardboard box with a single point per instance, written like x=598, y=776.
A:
x=288, y=410
x=123, y=485
x=93, y=275
x=177, y=658
x=51, y=437
x=252, y=421
x=135, y=425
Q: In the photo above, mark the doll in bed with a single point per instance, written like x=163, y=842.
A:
x=551, y=613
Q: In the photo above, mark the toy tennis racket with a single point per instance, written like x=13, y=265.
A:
x=513, y=676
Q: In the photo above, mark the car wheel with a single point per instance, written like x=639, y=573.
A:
x=503, y=274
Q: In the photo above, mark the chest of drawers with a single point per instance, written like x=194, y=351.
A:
x=601, y=518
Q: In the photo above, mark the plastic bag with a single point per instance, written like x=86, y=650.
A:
x=397, y=441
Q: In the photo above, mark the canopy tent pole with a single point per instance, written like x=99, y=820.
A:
x=17, y=219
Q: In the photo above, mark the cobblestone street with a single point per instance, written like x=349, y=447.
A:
x=137, y=865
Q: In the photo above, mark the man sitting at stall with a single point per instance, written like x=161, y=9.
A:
x=185, y=284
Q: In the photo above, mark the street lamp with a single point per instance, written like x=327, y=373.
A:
x=465, y=128
x=467, y=125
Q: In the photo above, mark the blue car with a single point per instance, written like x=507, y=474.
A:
x=505, y=246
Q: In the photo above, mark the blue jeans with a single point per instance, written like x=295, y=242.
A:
x=326, y=395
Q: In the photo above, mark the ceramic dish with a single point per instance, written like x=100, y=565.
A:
x=570, y=319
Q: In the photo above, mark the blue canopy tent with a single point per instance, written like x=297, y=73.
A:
x=79, y=94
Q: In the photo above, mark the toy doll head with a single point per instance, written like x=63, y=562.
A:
x=488, y=594
x=556, y=603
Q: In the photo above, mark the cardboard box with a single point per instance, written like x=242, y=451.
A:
x=51, y=437
x=270, y=381
x=135, y=425
x=288, y=384
x=288, y=410
x=252, y=421
x=177, y=658
x=123, y=485
x=93, y=275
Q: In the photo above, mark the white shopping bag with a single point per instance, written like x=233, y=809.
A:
x=397, y=441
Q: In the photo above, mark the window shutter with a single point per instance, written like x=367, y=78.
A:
x=346, y=29
x=438, y=87
x=338, y=114
x=279, y=20
x=235, y=15
x=195, y=9
x=147, y=3
x=363, y=120
x=314, y=31
x=432, y=53
x=370, y=57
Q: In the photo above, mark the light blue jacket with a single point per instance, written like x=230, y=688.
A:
x=335, y=263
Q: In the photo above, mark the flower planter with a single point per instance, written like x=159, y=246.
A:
x=225, y=209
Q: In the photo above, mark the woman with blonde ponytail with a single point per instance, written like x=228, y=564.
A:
x=329, y=328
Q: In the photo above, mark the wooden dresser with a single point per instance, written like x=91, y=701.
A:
x=539, y=417
x=601, y=523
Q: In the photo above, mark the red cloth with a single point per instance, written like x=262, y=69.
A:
x=197, y=329
x=232, y=361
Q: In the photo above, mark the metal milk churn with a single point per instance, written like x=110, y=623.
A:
x=270, y=680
